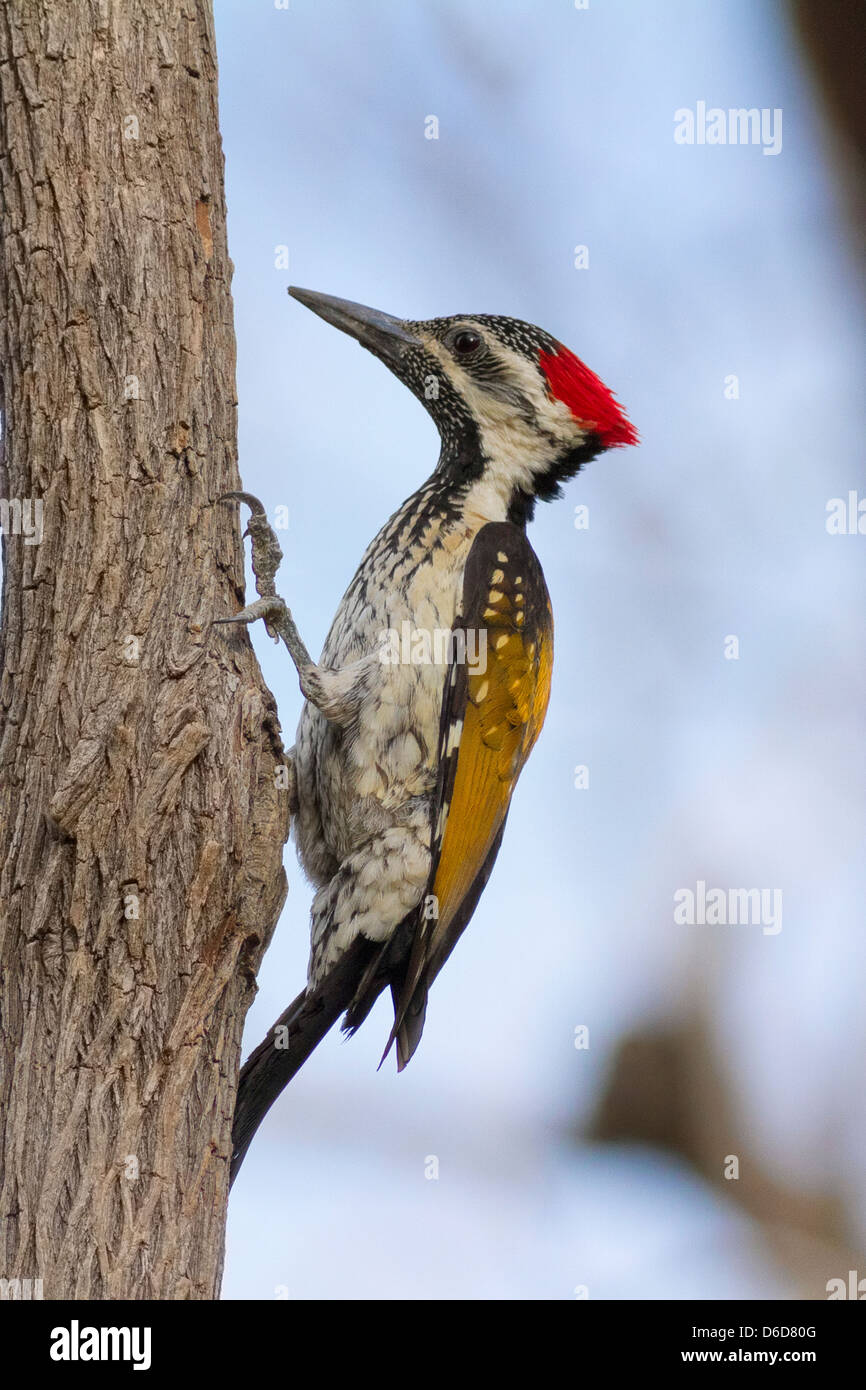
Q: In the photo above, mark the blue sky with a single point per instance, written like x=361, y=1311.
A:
x=705, y=263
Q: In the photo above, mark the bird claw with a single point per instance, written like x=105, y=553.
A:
x=266, y=552
x=270, y=608
x=255, y=506
x=266, y=559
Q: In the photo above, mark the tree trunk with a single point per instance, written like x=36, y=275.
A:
x=141, y=822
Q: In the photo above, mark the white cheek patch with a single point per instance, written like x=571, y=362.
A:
x=517, y=449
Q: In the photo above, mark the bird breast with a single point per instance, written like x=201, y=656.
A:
x=394, y=628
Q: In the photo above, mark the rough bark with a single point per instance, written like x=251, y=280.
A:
x=141, y=821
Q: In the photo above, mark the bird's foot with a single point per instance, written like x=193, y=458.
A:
x=269, y=606
x=266, y=554
x=325, y=689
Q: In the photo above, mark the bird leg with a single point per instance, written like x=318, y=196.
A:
x=325, y=689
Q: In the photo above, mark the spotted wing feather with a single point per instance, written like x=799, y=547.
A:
x=491, y=718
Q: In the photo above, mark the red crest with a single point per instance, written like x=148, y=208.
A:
x=587, y=397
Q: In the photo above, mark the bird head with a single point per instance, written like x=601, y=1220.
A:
x=517, y=412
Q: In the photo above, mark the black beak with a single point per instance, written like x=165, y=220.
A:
x=383, y=335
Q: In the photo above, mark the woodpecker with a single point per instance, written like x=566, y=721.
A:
x=407, y=755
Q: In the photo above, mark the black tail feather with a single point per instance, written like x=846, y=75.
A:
x=412, y=1026
x=278, y=1058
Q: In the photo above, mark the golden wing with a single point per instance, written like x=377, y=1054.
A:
x=492, y=713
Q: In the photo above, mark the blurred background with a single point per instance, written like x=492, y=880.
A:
x=607, y=1102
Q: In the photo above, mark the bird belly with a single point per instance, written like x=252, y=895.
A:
x=379, y=771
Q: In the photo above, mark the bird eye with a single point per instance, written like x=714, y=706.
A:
x=466, y=341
